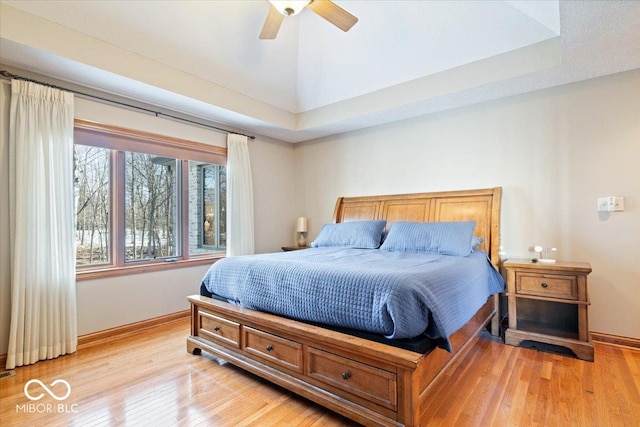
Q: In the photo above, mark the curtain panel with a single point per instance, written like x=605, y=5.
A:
x=43, y=322
x=240, y=235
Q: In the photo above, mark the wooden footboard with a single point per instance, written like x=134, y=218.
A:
x=368, y=382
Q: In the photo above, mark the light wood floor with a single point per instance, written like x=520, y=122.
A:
x=150, y=379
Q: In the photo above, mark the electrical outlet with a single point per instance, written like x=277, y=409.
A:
x=615, y=203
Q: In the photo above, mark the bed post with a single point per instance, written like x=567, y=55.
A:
x=495, y=253
x=337, y=210
x=495, y=227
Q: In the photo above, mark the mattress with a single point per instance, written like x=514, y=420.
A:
x=396, y=295
x=420, y=344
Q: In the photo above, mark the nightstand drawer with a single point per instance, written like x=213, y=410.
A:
x=547, y=285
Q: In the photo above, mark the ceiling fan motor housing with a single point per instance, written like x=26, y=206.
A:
x=289, y=7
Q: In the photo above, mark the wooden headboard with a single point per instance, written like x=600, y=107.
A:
x=482, y=206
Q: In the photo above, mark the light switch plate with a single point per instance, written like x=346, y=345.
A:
x=603, y=204
x=611, y=204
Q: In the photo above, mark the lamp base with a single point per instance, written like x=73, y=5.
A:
x=302, y=240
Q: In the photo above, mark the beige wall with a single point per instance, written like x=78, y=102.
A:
x=554, y=152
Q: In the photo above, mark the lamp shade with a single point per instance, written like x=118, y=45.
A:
x=301, y=224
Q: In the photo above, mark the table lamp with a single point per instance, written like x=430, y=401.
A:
x=301, y=231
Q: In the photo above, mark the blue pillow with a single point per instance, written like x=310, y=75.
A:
x=444, y=238
x=352, y=234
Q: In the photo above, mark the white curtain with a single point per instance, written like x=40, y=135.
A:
x=240, y=240
x=43, y=288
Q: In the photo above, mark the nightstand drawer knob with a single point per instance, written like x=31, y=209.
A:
x=269, y=347
x=544, y=285
x=216, y=328
x=346, y=375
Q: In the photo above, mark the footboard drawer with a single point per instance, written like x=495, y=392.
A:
x=273, y=348
x=370, y=383
x=219, y=329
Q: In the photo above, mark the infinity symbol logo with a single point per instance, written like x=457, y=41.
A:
x=51, y=393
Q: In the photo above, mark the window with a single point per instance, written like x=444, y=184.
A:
x=146, y=200
x=92, y=170
x=207, y=211
x=150, y=206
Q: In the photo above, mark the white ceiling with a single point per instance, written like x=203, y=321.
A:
x=402, y=59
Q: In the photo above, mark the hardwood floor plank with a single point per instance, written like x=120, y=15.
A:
x=570, y=398
x=503, y=362
x=490, y=376
x=533, y=387
x=508, y=397
x=542, y=400
x=627, y=388
x=148, y=378
x=520, y=392
x=632, y=360
x=575, y=398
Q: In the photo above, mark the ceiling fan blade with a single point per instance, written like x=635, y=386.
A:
x=272, y=24
x=333, y=13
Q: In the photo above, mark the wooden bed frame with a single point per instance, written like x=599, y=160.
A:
x=369, y=382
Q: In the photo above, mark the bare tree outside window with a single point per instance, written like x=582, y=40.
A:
x=150, y=207
x=91, y=174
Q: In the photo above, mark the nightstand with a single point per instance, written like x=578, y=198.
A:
x=548, y=303
x=294, y=248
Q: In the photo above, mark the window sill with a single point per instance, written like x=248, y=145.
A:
x=147, y=267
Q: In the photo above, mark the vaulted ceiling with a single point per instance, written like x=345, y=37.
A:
x=402, y=59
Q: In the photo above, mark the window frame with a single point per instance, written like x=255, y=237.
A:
x=118, y=140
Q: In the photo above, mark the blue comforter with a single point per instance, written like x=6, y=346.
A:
x=395, y=294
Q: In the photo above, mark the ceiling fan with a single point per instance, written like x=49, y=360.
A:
x=325, y=8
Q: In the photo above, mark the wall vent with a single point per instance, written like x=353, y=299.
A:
x=7, y=374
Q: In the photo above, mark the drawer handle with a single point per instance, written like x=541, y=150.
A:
x=544, y=285
x=269, y=347
x=346, y=375
x=216, y=328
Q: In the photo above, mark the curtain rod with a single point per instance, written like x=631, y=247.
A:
x=135, y=107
